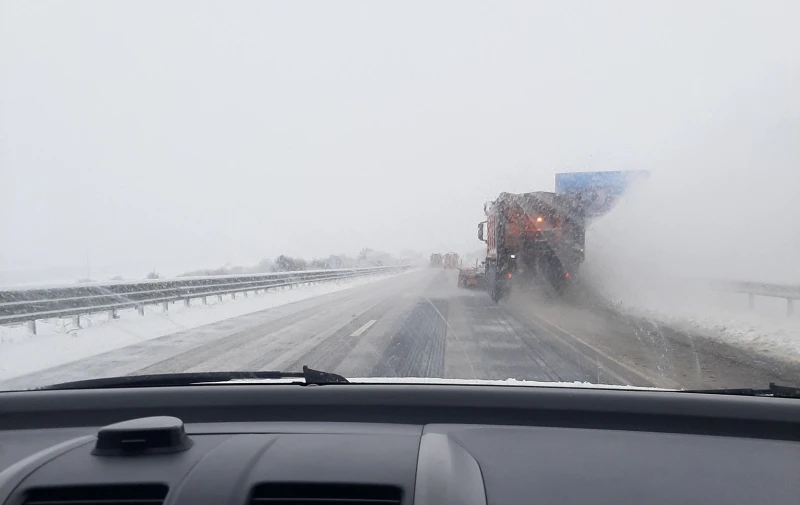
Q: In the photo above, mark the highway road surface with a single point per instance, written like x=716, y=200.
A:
x=420, y=324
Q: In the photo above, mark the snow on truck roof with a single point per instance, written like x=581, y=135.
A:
x=538, y=202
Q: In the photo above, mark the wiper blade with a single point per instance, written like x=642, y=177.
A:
x=309, y=376
x=774, y=390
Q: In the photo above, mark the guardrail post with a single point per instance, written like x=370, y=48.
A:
x=32, y=327
x=751, y=301
x=219, y=298
x=789, y=306
x=77, y=321
x=140, y=309
x=246, y=294
x=165, y=306
x=112, y=314
x=205, y=300
x=187, y=302
x=233, y=296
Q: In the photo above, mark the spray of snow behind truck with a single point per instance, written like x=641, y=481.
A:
x=540, y=236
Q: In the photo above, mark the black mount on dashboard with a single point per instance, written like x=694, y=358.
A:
x=146, y=435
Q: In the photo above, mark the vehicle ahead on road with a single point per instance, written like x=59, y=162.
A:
x=451, y=260
x=471, y=277
x=540, y=236
x=436, y=260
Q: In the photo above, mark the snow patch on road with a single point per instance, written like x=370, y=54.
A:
x=60, y=341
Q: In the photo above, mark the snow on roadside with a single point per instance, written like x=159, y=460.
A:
x=59, y=341
x=771, y=336
x=726, y=317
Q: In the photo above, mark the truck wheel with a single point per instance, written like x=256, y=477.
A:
x=495, y=293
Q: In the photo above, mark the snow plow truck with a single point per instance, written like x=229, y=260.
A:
x=540, y=236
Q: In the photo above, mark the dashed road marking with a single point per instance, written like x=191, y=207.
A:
x=364, y=328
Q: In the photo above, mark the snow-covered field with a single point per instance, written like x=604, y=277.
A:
x=59, y=341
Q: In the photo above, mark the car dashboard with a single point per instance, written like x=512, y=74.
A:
x=395, y=445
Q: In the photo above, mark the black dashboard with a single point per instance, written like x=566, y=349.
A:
x=395, y=444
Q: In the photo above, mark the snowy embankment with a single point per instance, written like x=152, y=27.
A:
x=766, y=329
x=695, y=308
x=59, y=341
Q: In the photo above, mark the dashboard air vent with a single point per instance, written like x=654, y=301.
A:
x=325, y=494
x=139, y=494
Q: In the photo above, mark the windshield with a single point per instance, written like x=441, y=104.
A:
x=564, y=192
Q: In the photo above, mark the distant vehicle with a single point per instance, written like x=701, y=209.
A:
x=541, y=235
x=436, y=260
x=470, y=277
x=451, y=260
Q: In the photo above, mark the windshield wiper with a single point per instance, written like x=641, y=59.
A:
x=309, y=376
x=773, y=390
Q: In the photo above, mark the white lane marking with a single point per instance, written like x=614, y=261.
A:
x=363, y=328
x=599, y=352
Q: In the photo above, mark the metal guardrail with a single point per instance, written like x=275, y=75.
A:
x=753, y=289
x=28, y=305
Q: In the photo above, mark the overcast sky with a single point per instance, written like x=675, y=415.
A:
x=184, y=134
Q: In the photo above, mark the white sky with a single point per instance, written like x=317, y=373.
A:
x=184, y=134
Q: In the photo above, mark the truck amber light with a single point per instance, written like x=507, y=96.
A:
x=566, y=275
x=539, y=219
x=509, y=275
